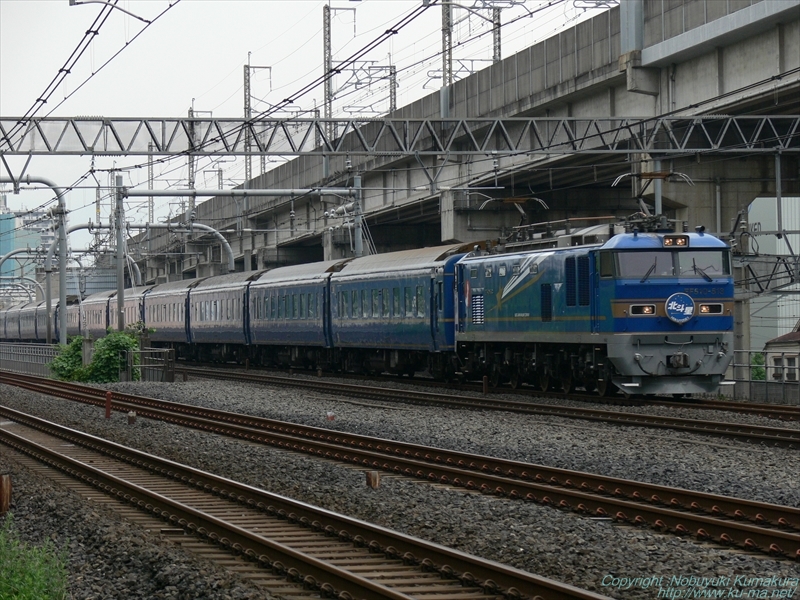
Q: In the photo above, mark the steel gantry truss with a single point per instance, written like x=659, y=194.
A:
x=670, y=135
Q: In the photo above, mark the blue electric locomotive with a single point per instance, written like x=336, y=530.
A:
x=644, y=312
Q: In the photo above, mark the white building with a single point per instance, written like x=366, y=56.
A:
x=773, y=315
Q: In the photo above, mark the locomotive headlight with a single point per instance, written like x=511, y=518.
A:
x=643, y=309
x=711, y=309
x=676, y=240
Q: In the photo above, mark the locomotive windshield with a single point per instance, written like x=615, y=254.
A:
x=700, y=264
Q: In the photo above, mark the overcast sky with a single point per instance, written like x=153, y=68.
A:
x=193, y=56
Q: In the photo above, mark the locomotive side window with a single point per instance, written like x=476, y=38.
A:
x=547, y=302
x=583, y=281
x=569, y=277
x=473, y=273
x=501, y=271
x=606, y=264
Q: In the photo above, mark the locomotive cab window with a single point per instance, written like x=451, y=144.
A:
x=695, y=264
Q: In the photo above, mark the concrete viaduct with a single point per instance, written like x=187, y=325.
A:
x=643, y=59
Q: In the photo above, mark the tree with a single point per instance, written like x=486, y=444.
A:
x=757, y=370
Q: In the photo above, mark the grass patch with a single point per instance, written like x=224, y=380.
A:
x=29, y=572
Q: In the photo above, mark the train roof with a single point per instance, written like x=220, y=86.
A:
x=317, y=270
x=651, y=241
x=18, y=306
x=172, y=286
x=96, y=297
x=405, y=260
x=137, y=292
x=229, y=280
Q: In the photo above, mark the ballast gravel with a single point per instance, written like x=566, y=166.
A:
x=595, y=554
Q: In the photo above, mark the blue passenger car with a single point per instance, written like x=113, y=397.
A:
x=75, y=319
x=167, y=311
x=96, y=313
x=12, y=322
x=218, y=316
x=289, y=315
x=28, y=321
x=394, y=312
x=133, y=304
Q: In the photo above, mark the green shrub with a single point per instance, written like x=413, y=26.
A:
x=107, y=360
x=109, y=356
x=28, y=573
x=69, y=362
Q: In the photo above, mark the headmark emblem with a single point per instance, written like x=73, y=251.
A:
x=679, y=308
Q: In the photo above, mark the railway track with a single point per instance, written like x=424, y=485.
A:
x=735, y=522
x=769, y=436
x=774, y=411
x=335, y=555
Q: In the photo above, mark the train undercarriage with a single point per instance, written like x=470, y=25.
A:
x=624, y=366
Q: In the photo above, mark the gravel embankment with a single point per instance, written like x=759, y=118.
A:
x=581, y=551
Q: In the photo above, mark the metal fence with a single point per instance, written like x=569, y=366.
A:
x=149, y=364
x=771, y=377
x=29, y=359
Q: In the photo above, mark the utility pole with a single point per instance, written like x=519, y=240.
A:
x=150, y=207
x=358, y=241
x=97, y=196
x=496, y=57
x=120, y=222
x=392, y=88
x=447, y=44
x=327, y=61
x=192, y=143
x=327, y=55
x=248, y=113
